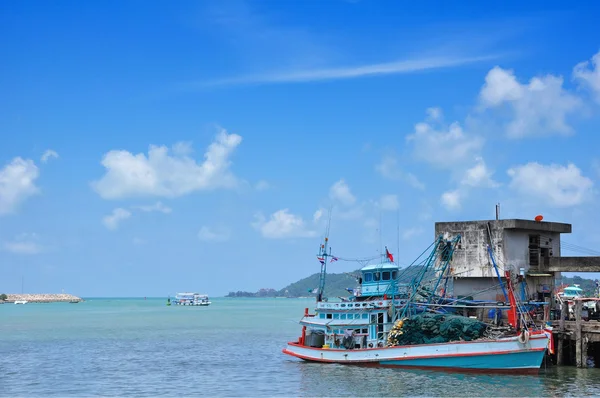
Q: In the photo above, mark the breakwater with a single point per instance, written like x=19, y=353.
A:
x=42, y=298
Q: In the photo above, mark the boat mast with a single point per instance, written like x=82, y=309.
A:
x=322, y=256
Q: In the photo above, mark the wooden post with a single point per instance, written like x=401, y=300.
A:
x=547, y=310
x=584, y=350
x=578, y=353
x=564, y=312
x=480, y=314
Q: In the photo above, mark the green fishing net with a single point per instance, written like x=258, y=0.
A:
x=435, y=328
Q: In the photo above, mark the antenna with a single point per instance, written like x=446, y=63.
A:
x=497, y=211
x=398, y=235
x=380, y=236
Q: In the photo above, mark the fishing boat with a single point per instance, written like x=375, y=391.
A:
x=416, y=324
x=191, y=299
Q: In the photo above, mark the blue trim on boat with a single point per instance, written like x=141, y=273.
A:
x=514, y=360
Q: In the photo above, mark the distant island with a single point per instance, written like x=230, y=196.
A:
x=336, y=285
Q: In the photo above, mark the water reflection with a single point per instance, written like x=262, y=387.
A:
x=343, y=380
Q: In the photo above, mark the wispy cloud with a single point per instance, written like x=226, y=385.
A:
x=352, y=72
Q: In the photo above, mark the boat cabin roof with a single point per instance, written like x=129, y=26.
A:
x=381, y=266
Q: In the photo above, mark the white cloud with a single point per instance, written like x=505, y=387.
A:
x=217, y=234
x=389, y=202
x=318, y=215
x=444, y=146
x=23, y=244
x=282, y=224
x=434, y=113
x=556, y=185
x=158, y=206
x=479, y=175
x=262, y=185
x=17, y=183
x=183, y=148
x=388, y=68
x=49, y=154
x=112, y=221
x=388, y=168
x=340, y=191
x=539, y=108
x=411, y=232
x=451, y=199
x=588, y=75
x=160, y=174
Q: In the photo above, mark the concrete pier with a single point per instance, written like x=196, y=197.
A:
x=576, y=340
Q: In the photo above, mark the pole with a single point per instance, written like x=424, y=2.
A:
x=578, y=345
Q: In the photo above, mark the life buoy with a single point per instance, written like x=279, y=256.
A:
x=524, y=337
x=380, y=303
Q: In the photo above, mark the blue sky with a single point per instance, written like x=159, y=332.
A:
x=153, y=147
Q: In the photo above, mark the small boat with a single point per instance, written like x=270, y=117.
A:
x=379, y=325
x=21, y=301
x=191, y=299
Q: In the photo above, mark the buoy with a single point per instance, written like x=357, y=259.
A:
x=539, y=218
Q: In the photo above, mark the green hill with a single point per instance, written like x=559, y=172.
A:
x=335, y=285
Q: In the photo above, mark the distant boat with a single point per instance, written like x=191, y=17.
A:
x=192, y=299
x=20, y=301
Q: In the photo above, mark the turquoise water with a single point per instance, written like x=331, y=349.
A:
x=133, y=347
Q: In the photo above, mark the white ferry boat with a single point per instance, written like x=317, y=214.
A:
x=193, y=299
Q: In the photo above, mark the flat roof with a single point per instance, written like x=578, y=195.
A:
x=530, y=225
x=381, y=266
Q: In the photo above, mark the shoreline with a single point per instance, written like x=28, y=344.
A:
x=42, y=298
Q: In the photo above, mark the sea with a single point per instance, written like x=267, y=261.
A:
x=121, y=347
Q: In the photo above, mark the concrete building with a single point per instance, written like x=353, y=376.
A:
x=526, y=247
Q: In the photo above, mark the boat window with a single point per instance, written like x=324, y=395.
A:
x=342, y=316
x=394, y=274
x=365, y=331
x=385, y=275
x=322, y=316
x=336, y=316
x=365, y=316
x=356, y=316
x=328, y=316
x=376, y=276
x=368, y=277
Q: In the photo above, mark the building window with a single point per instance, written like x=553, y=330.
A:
x=534, y=250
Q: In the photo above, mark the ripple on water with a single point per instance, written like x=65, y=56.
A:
x=233, y=348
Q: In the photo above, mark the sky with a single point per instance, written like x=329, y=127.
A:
x=151, y=147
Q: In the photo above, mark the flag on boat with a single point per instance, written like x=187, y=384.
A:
x=389, y=255
x=321, y=259
x=314, y=291
x=548, y=332
x=333, y=259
